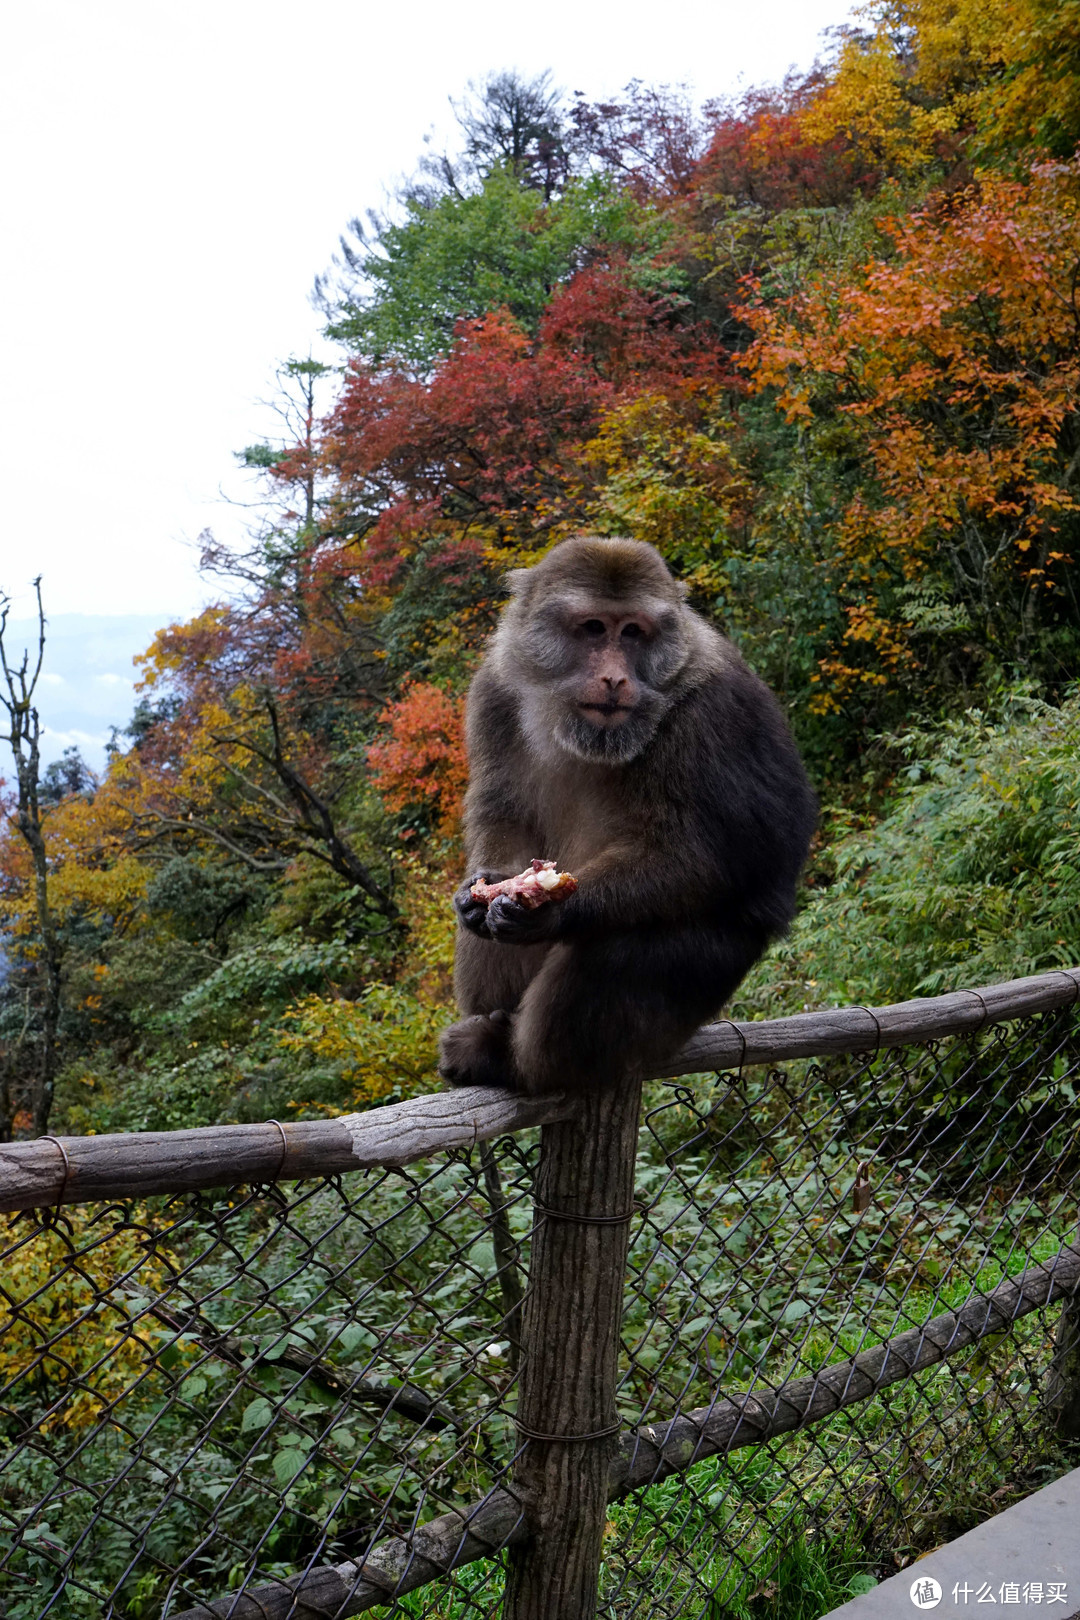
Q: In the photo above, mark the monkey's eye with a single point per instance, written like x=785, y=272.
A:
x=594, y=627
x=633, y=632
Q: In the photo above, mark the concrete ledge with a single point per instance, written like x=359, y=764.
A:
x=1027, y=1558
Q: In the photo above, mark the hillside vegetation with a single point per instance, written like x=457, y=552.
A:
x=821, y=347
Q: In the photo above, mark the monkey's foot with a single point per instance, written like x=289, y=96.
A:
x=476, y=1051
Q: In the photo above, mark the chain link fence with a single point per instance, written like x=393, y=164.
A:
x=849, y=1331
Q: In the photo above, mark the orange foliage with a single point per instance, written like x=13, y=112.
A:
x=957, y=365
x=422, y=760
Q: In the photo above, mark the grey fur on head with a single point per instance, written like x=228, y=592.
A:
x=600, y=575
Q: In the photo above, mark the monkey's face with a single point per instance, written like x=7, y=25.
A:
x=598, y=674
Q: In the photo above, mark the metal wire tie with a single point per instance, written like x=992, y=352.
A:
x=985, y=1008
x=742, y=1037
x=567, y=1439
x=284, y=1148
x=586, y=1220
x=55, y=1140
x=877, y=1026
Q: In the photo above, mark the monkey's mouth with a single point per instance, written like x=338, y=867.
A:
x=609, y=713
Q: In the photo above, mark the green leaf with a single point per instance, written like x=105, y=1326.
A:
x=257, y=1414
x=287, y=1464
x=352, y=1335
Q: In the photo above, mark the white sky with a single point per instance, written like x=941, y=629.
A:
x=175, y=172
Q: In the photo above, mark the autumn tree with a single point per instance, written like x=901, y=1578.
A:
x=419, y=762
x=951, y=369
x=921, y=81
x=816, y=343
x=230, y=767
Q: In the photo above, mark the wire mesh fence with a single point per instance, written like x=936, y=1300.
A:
x=302, y=1400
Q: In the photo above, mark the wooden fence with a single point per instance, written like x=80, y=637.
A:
x=546, y=1507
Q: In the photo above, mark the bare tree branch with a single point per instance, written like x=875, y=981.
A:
x=23, y=737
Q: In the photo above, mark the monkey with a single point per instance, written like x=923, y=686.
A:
x=611, y=728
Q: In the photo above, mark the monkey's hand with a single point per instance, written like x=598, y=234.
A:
x=511, y=923
x=472, y=912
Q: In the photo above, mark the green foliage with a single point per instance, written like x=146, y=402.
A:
x=260, y=456
x=264, y=975
x=201, y=899
x=442, y=607
x=200, y=1083
x=500, y=246
x=971, y=876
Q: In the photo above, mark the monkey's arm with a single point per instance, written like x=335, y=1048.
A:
x=624, y=887
x=608, y=876
x=748, y=882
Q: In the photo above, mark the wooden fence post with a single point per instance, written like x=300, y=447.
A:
x=570, y=1354
x=1063, y=1383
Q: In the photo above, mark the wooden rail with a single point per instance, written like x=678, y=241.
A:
x=865, y=1029
x=86, y=1169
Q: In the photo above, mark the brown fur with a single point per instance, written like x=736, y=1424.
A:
x=612, y=730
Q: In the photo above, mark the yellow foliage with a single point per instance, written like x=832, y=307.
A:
x=869, y=101
x=921, y=70
x=427, y=895
x=185, y=659
x=71, y=1328
x=176, y=648
x=90, y=870
x=669, y=480
x=385, y=1041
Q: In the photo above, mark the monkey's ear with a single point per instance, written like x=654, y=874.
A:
x=514, y=579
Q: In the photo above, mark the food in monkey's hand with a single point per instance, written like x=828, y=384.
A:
x=538, y=884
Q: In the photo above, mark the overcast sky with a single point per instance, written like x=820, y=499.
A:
x=175, y=173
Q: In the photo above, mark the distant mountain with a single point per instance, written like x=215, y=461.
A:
x=88, y=678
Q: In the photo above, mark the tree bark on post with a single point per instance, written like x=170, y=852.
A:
x=570, y=1355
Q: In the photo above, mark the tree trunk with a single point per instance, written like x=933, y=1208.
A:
x=570, y=1356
